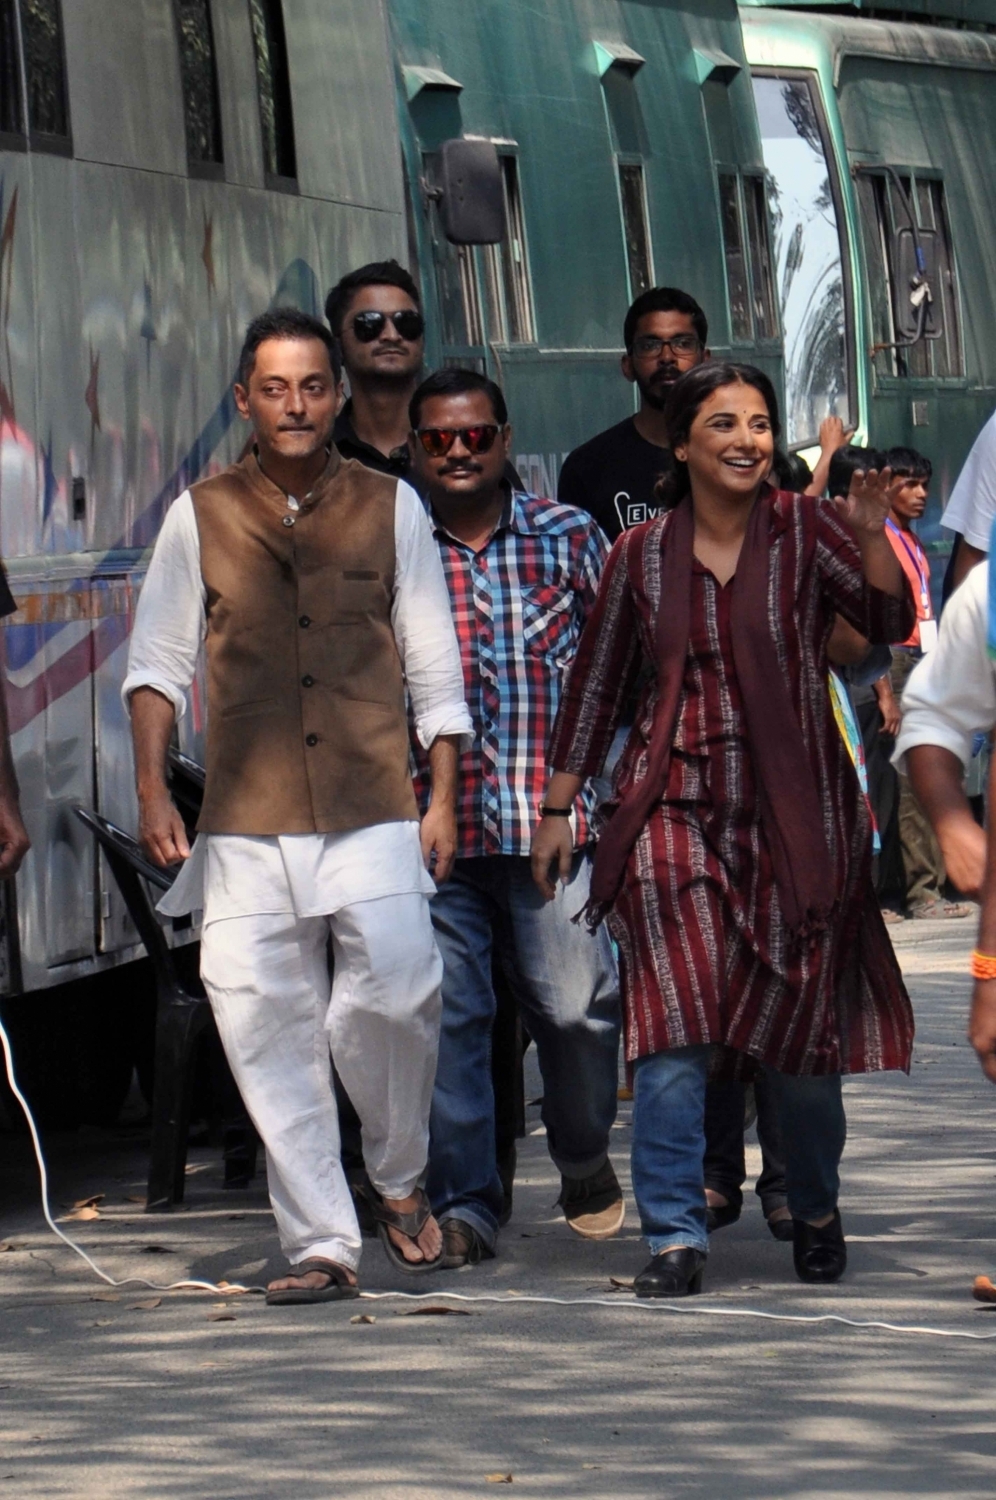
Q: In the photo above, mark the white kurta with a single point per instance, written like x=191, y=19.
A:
x=971, y=508
x=307, y=874
x=951, y=694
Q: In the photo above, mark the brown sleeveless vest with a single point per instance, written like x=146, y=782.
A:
x=306, y=700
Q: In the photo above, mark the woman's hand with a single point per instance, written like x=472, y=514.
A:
x=553, y=844
x=982, y=1025
x=868, y=502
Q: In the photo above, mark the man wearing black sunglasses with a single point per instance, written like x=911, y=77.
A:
x=376, y=315
x=613, y=475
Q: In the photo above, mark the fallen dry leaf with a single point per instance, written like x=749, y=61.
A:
x=591, y=1466
x=86, y=1213
x=193, y=1167
x=225, y=1317
x=90, y=1202
x=157, y=1250
x=136, y=1198
x=104, y=1297
x=236, y=1216
x=434, y=1312
x=8, y=1245
x=103, y=1323
x=621, y=1283
x=147, y=1305
x=363, y=1318
x=498, y=1478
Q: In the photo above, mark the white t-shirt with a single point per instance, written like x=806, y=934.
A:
x=972, y=506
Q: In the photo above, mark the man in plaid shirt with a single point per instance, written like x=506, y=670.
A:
x=523, y=574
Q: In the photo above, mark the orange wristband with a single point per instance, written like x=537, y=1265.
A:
x=983, y=965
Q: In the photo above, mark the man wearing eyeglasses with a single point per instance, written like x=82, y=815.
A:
x=376, y=315
x=613, y=475
x=522, y=573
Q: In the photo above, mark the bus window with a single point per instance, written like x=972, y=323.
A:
x=900, y=211
x=506, y=268
x=809, y=255
x=42, y=55
x=736, y=260
x=634, y=211
x=273, y=86
x=199, y=75
x=762, y=278
x=11, y=115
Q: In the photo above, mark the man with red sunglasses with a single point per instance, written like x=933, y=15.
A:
x=522, y=573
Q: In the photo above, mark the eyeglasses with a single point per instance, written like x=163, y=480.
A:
x=368, y=326
x=437, y=441
x=683, y=345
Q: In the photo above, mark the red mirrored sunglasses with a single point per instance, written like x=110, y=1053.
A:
x=437, y=441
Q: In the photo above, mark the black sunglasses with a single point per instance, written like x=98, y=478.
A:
x=368, y=326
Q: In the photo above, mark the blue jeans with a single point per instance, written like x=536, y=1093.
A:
x=566, y=982
x=669, y=1143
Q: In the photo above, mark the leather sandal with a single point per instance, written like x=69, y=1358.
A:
x=409, y=1224
x=463, y=1245
x=819, y=1254
x=672, y=1273
x=339, y=1289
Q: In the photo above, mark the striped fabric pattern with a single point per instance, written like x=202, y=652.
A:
x=519, y=607
x=705, y=953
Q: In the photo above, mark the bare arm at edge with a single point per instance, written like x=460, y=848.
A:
x=938, y=781
x=965, y=560
x=160, y=827
x=14, y=841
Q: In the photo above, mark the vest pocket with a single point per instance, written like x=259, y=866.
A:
x=250, y=707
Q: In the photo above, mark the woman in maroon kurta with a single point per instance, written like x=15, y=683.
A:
x=735, y=865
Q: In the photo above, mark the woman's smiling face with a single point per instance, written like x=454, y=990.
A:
x=730, y=443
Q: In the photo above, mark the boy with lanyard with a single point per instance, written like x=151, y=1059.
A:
x=922, y=858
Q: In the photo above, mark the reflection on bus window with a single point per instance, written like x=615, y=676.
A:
x=808, y=256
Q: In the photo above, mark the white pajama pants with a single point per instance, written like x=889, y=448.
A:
x=267, y=978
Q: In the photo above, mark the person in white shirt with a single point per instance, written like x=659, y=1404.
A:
x=949, y=698
x=971, y=508
x=316, y=587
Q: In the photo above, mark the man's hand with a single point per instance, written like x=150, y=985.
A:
x=982, y=1025
x=963, y=845
x=834, y=435
x=160, y=828
x=439, y=836
x=888, y=707
x=553, y=844
x=14, y=841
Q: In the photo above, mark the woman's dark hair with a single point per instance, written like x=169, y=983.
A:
x=684, y=404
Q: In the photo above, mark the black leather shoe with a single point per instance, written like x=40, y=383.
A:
x=673, y=1273
x=720, y=1216
x=782, y=1229
x=819, y=1254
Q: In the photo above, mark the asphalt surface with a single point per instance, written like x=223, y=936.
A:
x=183, y=1395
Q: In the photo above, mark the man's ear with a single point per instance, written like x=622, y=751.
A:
x=626, y=365
x=340, y=397
x=506, y=437
x=241, y=400
x=706, y=356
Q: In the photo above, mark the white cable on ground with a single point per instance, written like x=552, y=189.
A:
x=510, y=1299
x=507, y=1299
x=174, y=1286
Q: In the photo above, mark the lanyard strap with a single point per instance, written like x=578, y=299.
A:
x=913, y=553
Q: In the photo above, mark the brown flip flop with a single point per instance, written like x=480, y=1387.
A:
x=339, y=1289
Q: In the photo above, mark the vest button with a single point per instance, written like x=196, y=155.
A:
x=307, y=681
x=288, y=520
x=311, y=739
x=304, y=621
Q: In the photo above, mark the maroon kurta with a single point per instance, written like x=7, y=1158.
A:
x=706, y=956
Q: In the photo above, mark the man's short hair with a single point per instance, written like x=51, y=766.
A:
x=910, y=464
x=457, y=383
x=377, y=273
x=664, y=299
x=844, y=463
x=285, y=323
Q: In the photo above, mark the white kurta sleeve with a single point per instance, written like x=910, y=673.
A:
x=951, y=694
x=170, y=620
x=971, y=507
x=422, y=617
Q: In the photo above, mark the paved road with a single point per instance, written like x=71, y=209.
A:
x=104, y=1398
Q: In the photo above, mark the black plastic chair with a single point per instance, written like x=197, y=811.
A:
x=182, y=1011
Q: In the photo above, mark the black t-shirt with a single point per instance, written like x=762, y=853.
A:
x=613, y=476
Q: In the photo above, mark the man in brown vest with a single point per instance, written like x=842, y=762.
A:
x=316, y=586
